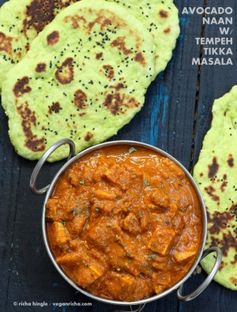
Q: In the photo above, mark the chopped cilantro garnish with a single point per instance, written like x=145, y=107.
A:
x=146, y=182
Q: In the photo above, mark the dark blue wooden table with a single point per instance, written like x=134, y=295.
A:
x=175, y=118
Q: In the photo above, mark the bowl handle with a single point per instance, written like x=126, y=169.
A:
x=209, y=278
x=43, y=159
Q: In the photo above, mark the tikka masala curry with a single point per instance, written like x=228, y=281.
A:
x=124, y=223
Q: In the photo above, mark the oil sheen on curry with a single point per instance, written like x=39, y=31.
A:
x=124, y=223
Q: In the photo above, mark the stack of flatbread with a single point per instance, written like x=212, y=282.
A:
x=79, y=70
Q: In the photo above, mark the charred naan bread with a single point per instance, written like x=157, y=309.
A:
x=161, y=19
x=216, y=175
x=84, y=78
x=22, y=20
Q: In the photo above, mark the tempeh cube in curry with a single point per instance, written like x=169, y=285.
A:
x=119, y=284
x=160, y=199
x=131, y=224
x=102, y=233
x=85, y=275
x=77, y=225
x=183, y=256
x=60, y=233
x=111, y=175
x=161, y=241
x=100, y=194
x=159, y=288
x=86, y=268
x=124, y=177
x=160, y=281
x=51, y=209
x=69, y=259
x=159, y=262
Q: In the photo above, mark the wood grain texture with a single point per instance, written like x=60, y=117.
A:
x=175, y=118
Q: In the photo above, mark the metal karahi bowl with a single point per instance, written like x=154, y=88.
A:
x=73, y=158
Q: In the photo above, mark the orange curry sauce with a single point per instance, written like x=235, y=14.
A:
x=124, y=223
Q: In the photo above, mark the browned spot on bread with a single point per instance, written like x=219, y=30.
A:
x=55, y=108
x=60, y=4
x=88, y=136
x=109, y=71
x=75, y=19
x=18, y=55
x=28, y=120
x=163, y=13
x=102, y=21
x=36, y=145
x=41, y=67
x=118, y=86
x=40, y=13
x=5, y=43
x=53, y=38
x=167, y=30
x=230, y=161
x=211, y=192
x=220, y=230
x=21, y=87
x=99, y=55
x=80, y=99
x=233, y=280
x=65, y=72
x=233, y=262
x=219, y=220
x=116, y=103
x=213, y=168
x=224, y=183
x=120, y=44
x=140, y=58
x=27, y=47
x=113, y=102
x=229, y=241
x=225, y=242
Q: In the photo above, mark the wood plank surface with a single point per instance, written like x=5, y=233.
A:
x=175, y=118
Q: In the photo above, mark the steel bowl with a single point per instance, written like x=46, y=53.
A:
x=73, y=158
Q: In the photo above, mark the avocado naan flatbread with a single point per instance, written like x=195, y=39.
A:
x=20, y=23
x=216, y=175
x=161, y=19
x=84, y=78
x=22, y=20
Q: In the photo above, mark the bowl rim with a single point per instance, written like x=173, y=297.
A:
x=130, y=143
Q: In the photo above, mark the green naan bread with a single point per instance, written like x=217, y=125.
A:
x=216, y=175
x=22, y=20
x=84, y=78
x=161, y=19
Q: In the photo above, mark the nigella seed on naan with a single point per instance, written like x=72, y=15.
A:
x=215, y=172
x=88, y=80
